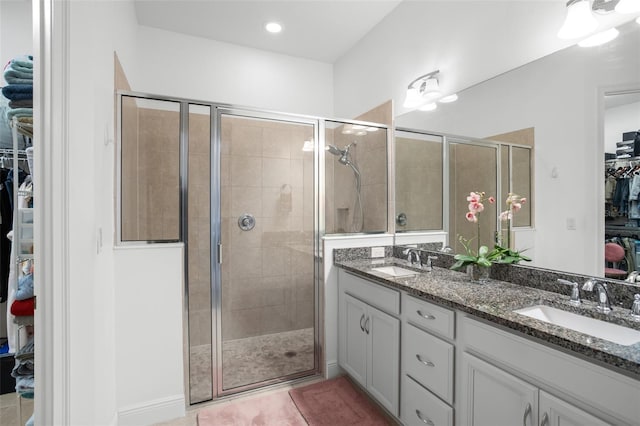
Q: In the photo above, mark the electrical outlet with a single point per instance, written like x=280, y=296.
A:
x=377, y=251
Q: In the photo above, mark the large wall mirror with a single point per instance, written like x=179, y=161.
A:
x=557, y=103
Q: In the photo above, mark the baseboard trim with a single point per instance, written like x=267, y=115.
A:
x=333, y=370
x=154, y=411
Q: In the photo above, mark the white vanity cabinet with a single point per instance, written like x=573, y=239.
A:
x=495, y=397
x=369, y=338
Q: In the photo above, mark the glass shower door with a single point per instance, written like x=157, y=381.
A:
x=267, y=303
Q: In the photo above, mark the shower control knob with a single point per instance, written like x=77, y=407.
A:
x=246, y=222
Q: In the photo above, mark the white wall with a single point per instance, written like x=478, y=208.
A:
x=559, y=96
x=619, y=120
x=173, y=64
x=97, y=28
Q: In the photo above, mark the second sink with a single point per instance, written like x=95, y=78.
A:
x=395, y=271
x=601, y=329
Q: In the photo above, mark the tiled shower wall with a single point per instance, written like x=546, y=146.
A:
x=267, y=272
x=370, y=156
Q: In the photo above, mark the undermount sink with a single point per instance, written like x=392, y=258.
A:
x=395, y=271
x=603, y=330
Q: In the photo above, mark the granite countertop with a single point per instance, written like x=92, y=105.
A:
x=496, y=300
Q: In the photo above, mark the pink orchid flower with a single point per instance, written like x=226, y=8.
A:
x=492, y=200
x=473, y=197
x=471, y=217
x=476, y=207
x=505, y=215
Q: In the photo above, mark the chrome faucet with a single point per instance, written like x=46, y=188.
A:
x=411, y=254
x=604, y=301
x=429, y=266
x=575, y=292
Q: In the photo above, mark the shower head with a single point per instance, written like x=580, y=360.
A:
x=335, y=150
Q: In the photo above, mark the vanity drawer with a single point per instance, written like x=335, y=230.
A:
x=428, y=360
x=420, y=407
x=376, y=295
x=429, y=316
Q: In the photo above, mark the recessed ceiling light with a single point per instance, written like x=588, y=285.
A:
x=273, y=27
x=599, y=38
x=447, y=99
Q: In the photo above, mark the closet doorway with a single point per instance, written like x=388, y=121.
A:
x=239, y=189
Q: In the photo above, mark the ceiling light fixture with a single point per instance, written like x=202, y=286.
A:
x=273, y=27
x=579, y=22
x=628, y=6
x=422, y=90
x=448, y=99
x=638, y=20
x=599, y=38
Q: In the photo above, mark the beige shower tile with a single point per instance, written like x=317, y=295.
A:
x=297, y=172
x=302, y=261
x=276, y=201
x=225, y=170
x=246, y=140
x=276, y=142
x=246, y=200
x=243, y=239
x=276, y=261
x=244, y=262
x=246, y=171
x=275, y=172
x=275, y=319
x=225, y=136
x=241, y=323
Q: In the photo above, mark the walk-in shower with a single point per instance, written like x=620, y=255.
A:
x=243, y=190
x=345, y=158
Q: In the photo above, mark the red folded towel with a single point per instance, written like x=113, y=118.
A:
x=21, y=308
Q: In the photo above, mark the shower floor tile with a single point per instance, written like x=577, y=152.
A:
x=256, y=359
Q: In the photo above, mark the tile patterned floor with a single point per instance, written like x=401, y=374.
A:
x=253, y=360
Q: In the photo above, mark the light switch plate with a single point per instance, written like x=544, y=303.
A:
x=377, y=251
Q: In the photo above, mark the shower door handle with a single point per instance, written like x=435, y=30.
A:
x=220, y=253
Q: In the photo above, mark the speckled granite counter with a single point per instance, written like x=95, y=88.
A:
x=496, y=300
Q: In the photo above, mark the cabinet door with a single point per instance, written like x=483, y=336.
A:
x=494, y=397
x=556, y=412
x=383, y=361
x=353, y=339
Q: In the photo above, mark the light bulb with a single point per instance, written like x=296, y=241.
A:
x=599, y=38
x=628, y=6
x=579, y=22
x=428, y=107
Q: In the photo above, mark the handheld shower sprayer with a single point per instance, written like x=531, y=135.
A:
x=345, y=159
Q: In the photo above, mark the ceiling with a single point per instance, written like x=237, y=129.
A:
x=321, y=30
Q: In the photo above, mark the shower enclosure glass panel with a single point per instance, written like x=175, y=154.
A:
x=521, y=181
x=355, y=178
x=150, y=170
x=267, y=239
x=472, y=168
x=419, y=195
x=199, y=255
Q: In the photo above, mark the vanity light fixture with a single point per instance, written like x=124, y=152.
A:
x=448, y=99
x=428, y=107
x=422, y=90
x=628, y=6
x=638, y=20
x=273, y=27
x=599, y=38
x=579, y=22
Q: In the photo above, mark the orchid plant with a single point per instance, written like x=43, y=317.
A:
x=482, y=256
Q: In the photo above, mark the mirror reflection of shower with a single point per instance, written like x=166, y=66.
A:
x=345, y=158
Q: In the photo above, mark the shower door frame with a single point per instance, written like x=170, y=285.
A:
x=217, y=251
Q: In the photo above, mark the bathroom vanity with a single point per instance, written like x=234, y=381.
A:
x=436, y=349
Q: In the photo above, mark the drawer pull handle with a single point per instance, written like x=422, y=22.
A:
x=545, y=420
x=426, y=421
x=427, y=363
x=527, y=413
x=427, y=316
x=361, y=326
x=366, y=325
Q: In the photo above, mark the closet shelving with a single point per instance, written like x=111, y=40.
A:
x=23, y=244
